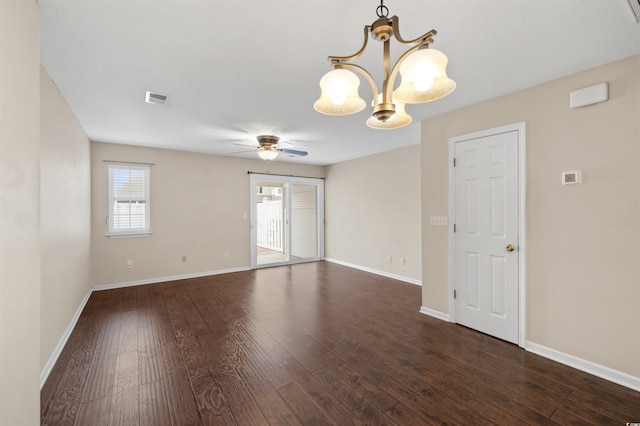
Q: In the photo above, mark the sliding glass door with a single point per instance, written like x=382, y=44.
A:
x=287, y=217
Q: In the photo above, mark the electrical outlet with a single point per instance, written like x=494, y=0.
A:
x=388, y=259
x=184, y=259
x=439, y=221
x=403, y=261
x=130, y=264
x=226, y=254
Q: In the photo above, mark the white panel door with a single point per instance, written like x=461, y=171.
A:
x=486, y=234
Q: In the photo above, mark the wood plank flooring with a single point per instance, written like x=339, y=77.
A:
x=316, y=343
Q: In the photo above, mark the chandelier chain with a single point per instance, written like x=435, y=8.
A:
x=382, y=11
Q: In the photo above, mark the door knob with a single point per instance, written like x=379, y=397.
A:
x=510, y=247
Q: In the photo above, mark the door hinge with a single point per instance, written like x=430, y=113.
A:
x=454, y=162
x=454, y=294
x=454, y=227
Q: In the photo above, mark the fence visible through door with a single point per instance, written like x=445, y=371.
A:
x=270, y=234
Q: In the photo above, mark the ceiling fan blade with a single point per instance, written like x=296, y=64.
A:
x=242, y=152
x=285, y=144
x=245, y=144
x=295, y=152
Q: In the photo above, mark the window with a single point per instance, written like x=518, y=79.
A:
x=129, y=200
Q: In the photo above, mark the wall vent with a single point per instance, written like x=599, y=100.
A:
x=635, y=8
x=155, y=98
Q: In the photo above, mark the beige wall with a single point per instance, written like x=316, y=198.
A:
x=19, y=212
x=373, y=211
x=197, y=207
x=583, y=241
x=65, y=209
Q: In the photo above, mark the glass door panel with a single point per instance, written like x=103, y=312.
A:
x=287, y=219
x=270, y=223
x=304, y=221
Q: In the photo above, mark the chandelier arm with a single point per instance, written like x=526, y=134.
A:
x=339, y=59
x=388, y=88
x=395, y=23
x=386, y=93
x=364, y=73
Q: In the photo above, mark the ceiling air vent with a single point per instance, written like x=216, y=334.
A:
x=155, y=98
x=635, y=8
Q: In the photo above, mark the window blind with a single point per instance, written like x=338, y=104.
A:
x=129, y=199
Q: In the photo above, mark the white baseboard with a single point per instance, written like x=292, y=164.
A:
x=436, y=314
x=375, y=271
x=598, y=370
x=63, y=341
x=170, y=278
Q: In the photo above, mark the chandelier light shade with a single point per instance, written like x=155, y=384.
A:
x=422, y=71
x=339, y=93
x=424, y=77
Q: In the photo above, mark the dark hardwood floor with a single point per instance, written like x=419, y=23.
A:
x=316, y=343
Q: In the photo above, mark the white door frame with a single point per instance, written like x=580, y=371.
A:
x=254, y=179
x=521, y=129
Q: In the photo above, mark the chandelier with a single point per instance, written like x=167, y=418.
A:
x=422, y=70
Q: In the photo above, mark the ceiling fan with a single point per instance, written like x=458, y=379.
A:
x=269, y=147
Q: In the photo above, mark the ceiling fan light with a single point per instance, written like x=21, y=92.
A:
x=397, y=120
x=339, y=94
x=268, y=153
x=424, y=77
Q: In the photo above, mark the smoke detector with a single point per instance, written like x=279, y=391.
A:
x=155, y=98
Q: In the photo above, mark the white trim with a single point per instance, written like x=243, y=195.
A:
x=377, y=272
x=452, y=239
x=522, y=221
x=127, y=234
x=169, y=278
x=522, y=157
x=435, y=314
x=598, y=370
x=253, y=214
x=46, y=370
x=287, y=263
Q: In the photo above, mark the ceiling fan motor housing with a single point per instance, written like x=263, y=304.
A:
x=267, y=141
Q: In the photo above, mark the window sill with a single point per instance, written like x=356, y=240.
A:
x=128, y=235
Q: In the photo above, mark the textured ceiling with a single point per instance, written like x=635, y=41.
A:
x=236, y=69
